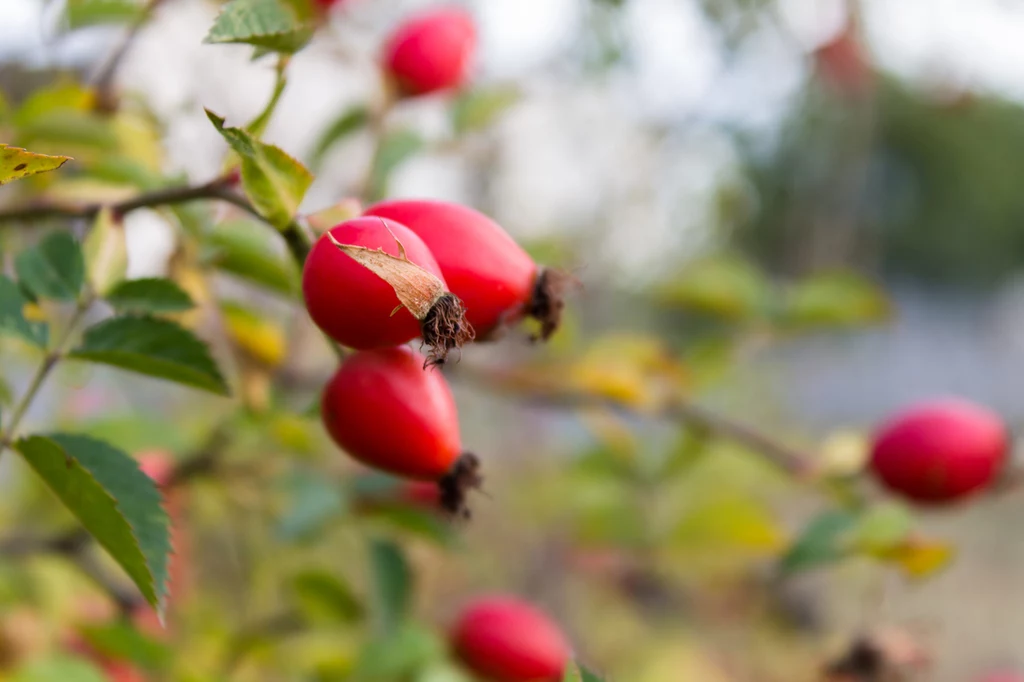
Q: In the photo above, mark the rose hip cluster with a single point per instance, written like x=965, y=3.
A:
x=410, y=269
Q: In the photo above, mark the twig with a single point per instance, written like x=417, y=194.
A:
x=104, y=78
x=219, y=189
x=789, y=460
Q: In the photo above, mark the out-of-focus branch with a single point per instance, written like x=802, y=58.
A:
x=532, y=389
x=104, y=78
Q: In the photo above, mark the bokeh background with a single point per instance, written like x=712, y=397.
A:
x=685, y=158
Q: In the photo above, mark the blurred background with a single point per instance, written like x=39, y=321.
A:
x=701, y=166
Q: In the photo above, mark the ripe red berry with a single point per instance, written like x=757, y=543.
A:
x=503, y=639
x=431, y=52
x=939, y=451
x=371, y=283
x=387, y=412
x=494, y=277
x=843, y=63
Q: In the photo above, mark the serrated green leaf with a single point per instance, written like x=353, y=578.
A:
x=325, y=597
x=479, y=108
x=392, y=580
x=838, y=299
x=154, y=347
x=274, y=25
x=823, y=541
x=117, y=503
x=105, y=251
x=351, y=120
x=395, y=148
x=54, y=268
x=18, y=163
x=80, y=13
x=12, y=316
x=149, y=295
x=274, y=182
x=121, y=641
x=58, y=668
x=313, y=502
x=245, y=249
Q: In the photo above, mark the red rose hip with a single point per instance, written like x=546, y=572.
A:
x=432, y=51
x=940, y=451
x=371, y=282
x=387, y=412
x=503, y=639
x=494, y=277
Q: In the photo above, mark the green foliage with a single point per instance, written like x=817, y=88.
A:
x=392, y=577
x=18, y=163
x=149, y=295
x=105, y=252
x=275, y=25
x=54, y=268
x=822, y=542
x=241, y=248
x=351, y=121
x=154, y=347
x=118, y=504
x=395, y=148
x=323, y=596
x=80, y=13
x=273, y=181
x=58, y=668
x=12, y=316
x=839, y=299
x=479, y=108
x=122, y=641
x=314, y=502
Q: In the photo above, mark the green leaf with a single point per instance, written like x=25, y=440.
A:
x=274, y=182
x=822, y=542
x=58, y=668
x=837, y=299
x=350, y=121
x=479, y=108
x=149, y=295
x=724, y=286
x=18, y=163
x=154, y=347
x=274, y=25
x=12, y=316
x=587, y=676
x=882, y=528
x=392, y=579
x=394, y=149
x=105, y=251
x=81, y=13
x=53, y=268
x=244, y=248
x=314, y=501
x=401, y=654
x=324, y=597
x=117, y=503
x=574, y=672
x=417, y=521
x=121, y=641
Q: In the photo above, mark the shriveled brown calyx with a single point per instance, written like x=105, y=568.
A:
x=442, y=315
x=463, y=477
x=548, y=300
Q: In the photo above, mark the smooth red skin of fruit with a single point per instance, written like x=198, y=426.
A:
x=503, y=639
x=389, y=413
x=432, y=51
x=351, y=304
x=940, y=451
x=482, y=264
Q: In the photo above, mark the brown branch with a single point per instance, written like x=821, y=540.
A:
x=790, y=460
x=104, y=78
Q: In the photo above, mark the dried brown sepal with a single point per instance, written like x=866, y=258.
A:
x=463, y=477
x=445, y=327
x=442, y=315
x=548, y=300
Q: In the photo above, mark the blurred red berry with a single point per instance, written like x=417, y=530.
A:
x=432, y=51
x=843, y=63
x=940, y=450
x=350, y=303
x=503, y=639
x=493, y=276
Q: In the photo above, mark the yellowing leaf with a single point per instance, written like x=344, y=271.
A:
x=260, y=338
x=734, y=521
x=106, y=252
x=33, y=313
x=16, y=163
x=920, y=558
x=634, y=370
x=725, y=286
x=844, y=453
x=139, y=139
